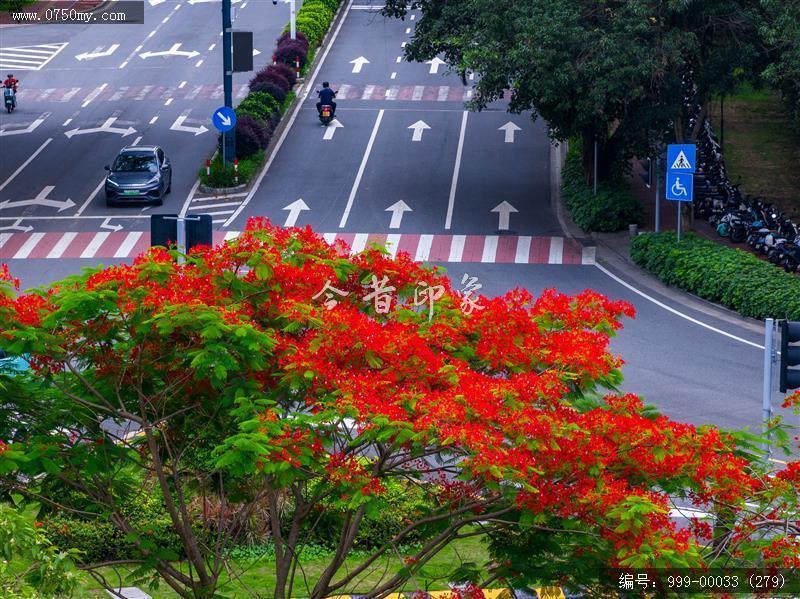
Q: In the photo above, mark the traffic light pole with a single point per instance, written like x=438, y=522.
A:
x=228, y=138
x=766, y=395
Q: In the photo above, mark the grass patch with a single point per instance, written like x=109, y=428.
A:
x=762, y=150
x=259, y=572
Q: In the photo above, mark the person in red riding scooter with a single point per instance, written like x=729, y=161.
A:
x=11, y=83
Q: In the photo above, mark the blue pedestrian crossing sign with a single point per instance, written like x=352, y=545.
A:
x=224, y=118
x=680, y=186
x=681, y=158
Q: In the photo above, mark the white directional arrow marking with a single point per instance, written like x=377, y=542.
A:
x=179, y=126
x=294, y=211
x=174, y=51
x=97, y=53
x=27, y=129
x=104, y=128
x=358, y=63
x=156, y=2
x=397, y=209
x=40, y=200
x=105, y=225
x=509, y=128
x=435, y=64
x=17, y=226
x=256, y=52
x=331, y=129
x=505, y=209
x=418, y=128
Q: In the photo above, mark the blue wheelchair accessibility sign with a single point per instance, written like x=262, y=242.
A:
x=680, y=187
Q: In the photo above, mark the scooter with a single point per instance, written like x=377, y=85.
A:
x=9, y=98
x=326, y=114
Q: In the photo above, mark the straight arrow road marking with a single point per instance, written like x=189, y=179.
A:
x=397, y=209
x=28, y=129
x=295, y=208
x=179, y=126
x=504, y=209
x=331, y=129
x=97, y=53
x=358, y=63
x=435, y=64
x=104, y=128
x=40, y=200
x=509, y=128
x=418, y=128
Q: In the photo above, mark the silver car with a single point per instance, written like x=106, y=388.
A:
x=139, y=174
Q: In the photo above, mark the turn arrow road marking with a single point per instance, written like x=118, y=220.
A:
x=104, y=128
x=509, y=128
x=398, y=209
x=27, y=129
x=105, y=225
x=97, y=53
x=435, y=64
x=17, y=226
x=418, y=128
x=505, y=209
x=40, y=200
x=358, y=63
x=331, y=129
x=179, y=126
x=294, y=211
x=173, y=51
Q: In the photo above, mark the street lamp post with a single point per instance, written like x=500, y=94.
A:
x=292, y=17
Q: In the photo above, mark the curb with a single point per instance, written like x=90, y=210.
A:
x=222, y=190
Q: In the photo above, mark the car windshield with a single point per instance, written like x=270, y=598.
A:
x=135, y=163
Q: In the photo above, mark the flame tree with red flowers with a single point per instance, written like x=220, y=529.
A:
x=245, y=381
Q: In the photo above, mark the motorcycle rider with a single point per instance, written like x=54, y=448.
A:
x=326, y=96
x=11, y=83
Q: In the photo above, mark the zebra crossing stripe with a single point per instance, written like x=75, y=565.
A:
x=63, y=244
x=556, y=251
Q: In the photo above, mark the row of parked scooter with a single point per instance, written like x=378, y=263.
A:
x=737, y=216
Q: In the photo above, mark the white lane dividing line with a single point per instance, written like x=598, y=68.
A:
x=556, y=250
x=457, y=248
x=211, y=47
x=151, y=34
x=139, y=47
x=454, y=183
x=404, y=44
x=91, y=197
x=207, y=206
x=67, y=122
x=136, y=141
x=399, y=59
x=674, y=311
x=154, y=119
x=128, y=244
x=412, y=17
x=62, y=244
x=523, y=249
x=168, y=102
x=28, y=246
x=182, y=85
x=393, y=75
x=302, y=95
x=408, y=30
x=199, y=62
x=26, y=163
x=361, y=169
x=95, y=244
x=96, y=92
x=165, y=19
x=123, y=65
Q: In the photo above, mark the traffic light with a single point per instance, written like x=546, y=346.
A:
x=790, y=356
x=198, y=231
x=163, y=230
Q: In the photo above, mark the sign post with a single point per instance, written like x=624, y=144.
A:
x=681, y=160
x=228, y=139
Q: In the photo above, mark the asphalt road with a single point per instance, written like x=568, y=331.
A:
x=76, y=78
x=466, y=189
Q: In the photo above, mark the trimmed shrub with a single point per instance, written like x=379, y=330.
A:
x=252, y=135
x=274, y=77
x=612, y=209
x=314, y=29
x=284, y=70
x=225, y=176
x=270, y=88
x=259, y=105
x=286, y=53
x=319, y=7
x=301, y=38
x=728, y=276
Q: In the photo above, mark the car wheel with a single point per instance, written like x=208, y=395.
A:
x=169, y=185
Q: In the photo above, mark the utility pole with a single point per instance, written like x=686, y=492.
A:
x=766, y=389
x=292, y=17
x=229, y=137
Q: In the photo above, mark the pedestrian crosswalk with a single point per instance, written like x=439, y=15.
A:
x=496, y=249
x=127, y=93
x=28, y=58
x=410, y=93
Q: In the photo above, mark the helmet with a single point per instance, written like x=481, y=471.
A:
x=11, y=75
x=325, y=84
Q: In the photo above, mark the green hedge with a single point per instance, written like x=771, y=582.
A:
x=226, y=176
x=259, y=105
x=314, y=18
x=724, y=275
x=612, y=209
